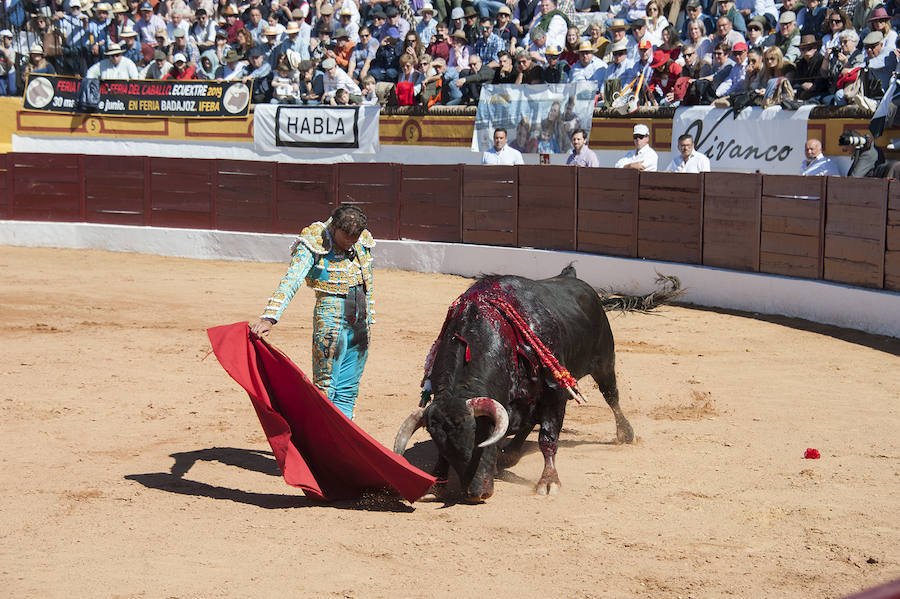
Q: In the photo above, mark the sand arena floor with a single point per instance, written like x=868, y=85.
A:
x=134, y=467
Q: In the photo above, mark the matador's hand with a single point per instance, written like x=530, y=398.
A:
x=261, y=327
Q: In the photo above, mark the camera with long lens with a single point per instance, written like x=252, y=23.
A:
x=852, y=139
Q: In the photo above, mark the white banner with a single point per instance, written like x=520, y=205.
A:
x=282, y=127
x=770, y=141
x=539, y=119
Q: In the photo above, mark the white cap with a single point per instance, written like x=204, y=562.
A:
x=179, y=57
x=6, y=33
x=74, y=3
x=641, y=130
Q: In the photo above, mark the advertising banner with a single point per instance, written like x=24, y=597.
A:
x=282, y=127
x=769, y=141
x=142, y=98
x=539, y=119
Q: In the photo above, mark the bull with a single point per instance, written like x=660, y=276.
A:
x=490, y=382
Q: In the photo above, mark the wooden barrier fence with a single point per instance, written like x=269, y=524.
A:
x=832, y=228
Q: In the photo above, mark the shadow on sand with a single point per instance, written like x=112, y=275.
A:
x=883, y=343
x=262, y=462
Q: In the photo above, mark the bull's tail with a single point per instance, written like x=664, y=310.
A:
x=668, y=289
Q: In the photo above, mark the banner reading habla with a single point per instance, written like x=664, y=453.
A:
x=142, y=98
x=287, y=128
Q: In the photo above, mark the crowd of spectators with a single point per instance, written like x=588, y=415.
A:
x=407, y=52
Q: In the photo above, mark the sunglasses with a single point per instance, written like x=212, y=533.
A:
x=754, y=28
x=688, y=54
x=620, y=52
x=638, y=136
x=718, y=53
x=836, y=21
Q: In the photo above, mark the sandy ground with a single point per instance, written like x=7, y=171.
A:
x=134, y=467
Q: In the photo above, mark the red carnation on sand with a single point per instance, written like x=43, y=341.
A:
x=812, y=454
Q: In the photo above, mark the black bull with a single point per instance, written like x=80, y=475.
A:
x=480, y=354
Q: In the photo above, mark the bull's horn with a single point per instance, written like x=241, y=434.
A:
x=485, y=406
x=414, y=421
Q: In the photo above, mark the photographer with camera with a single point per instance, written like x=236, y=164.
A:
x=868, y=160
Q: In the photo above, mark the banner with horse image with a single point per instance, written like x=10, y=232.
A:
x=141, y=98
x=539, y=119
x=769, y=141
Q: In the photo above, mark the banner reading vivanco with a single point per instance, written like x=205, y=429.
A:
x=142, y=97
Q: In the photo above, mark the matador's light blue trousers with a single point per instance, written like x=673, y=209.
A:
x=340, y=346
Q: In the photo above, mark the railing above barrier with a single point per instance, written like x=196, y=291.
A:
x=836, y=229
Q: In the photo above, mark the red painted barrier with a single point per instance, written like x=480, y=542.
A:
x=839, y=229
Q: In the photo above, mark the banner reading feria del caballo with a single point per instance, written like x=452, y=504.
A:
x=142, y=98
x=770, y=141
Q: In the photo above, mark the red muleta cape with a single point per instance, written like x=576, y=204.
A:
x=317, y=448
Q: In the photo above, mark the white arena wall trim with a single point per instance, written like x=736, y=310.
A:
x=868, y=310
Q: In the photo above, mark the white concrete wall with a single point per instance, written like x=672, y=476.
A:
x=829, y=303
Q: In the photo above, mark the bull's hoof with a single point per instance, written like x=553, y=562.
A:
x=624, y=433
x=548, y=487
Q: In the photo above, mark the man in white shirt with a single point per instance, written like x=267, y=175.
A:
x=816, y=162
x=552, y=22
x=335, y=79
x=689, y=160
x=585, y=69
x=642, y=157
x=114, y=66
x=501, y=153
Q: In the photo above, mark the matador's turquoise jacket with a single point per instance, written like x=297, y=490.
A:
x=325, y=268
x=339, y=351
